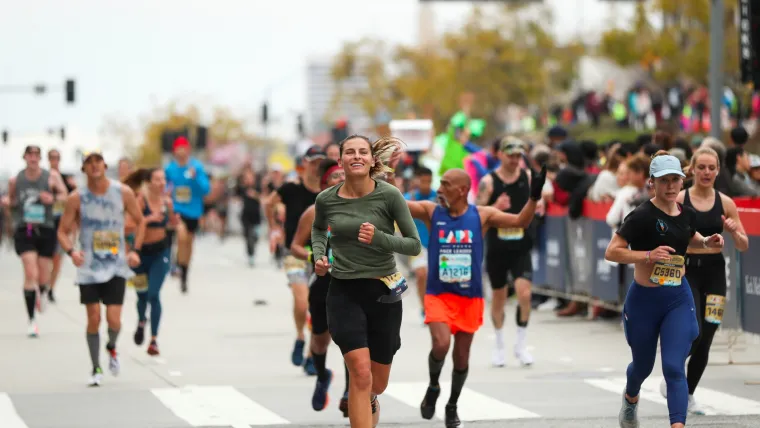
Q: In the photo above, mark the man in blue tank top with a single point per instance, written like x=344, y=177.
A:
x=103, y=264
x=454, y=296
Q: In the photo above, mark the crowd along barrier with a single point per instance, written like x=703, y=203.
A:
x=568, y=261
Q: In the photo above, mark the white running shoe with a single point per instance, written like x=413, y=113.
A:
x=113, y=363
x=32, y=330
x=694, y=407
x=97, y=377
x=499, y=358
x=522, y=354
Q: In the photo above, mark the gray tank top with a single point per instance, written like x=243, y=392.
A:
x=30, y=210
x=101, y=236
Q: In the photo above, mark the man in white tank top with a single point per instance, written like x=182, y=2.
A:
x=103, y=264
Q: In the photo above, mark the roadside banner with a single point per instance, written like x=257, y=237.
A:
x=557, y=265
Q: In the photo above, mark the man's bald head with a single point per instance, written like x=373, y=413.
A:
x=458, y=177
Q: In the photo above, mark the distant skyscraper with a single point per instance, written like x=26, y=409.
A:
x=320, y=91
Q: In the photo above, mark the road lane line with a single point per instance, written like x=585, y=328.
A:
x=9, y=418
x=715, y=402
x=472, y=405
x=216, y=406
x=617, y=385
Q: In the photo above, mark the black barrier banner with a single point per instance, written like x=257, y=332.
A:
x=580, y=248
x=731, y=317
x=605, y=279
x=556, y=253
x=538, y=255
x=745, y=41
x=627, y=281
x=750, y=286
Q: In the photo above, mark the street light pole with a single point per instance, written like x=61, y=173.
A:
x=715, y=80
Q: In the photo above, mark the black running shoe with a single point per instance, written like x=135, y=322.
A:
x=343, y=406
x=427, y=408
x=140, y=334
x=452, y=418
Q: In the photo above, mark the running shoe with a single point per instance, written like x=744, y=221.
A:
x=522, y=354
x=113, y=362
x=251, y=261
x=321, y=396
x=499, y=358
x=297, y=357
x=140, y=334
x=97, y=377
x=427, y=408
x=51, y=297
x=153, y=348
x=309, y=368
x=694, y=407
x=628, y=417
x=452, y=418
x=32, y=330
x=343, y=405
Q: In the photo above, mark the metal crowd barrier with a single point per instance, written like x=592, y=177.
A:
x=569, y=263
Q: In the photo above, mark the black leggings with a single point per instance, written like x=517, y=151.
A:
x=250, y=235
x=706, y=274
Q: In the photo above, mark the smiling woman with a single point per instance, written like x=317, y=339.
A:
x=364, y=298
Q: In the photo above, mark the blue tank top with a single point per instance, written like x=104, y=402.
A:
x=455, y=253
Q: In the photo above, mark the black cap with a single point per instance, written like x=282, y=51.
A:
x=739, y=135
x=313, y=153
x=557, y=132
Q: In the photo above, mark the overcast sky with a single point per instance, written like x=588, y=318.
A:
x=128, y=55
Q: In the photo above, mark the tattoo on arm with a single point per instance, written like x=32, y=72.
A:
x=483, y=192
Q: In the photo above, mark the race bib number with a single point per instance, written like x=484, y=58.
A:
x=139, y=282
x=34, y=214
x=668, y=273
x=183, y=194
x=396, y=283
x=455, y=267
x=511, y=234
x=714, y=306
x=105, y=243
x=58, y=208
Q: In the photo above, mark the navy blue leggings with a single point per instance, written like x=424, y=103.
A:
x=665, y=313
x=155, y=266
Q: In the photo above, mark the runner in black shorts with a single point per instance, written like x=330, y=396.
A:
x=364, y=307
x=54, y=158
x=331, y=174
x=33, y=193
x=508, y=256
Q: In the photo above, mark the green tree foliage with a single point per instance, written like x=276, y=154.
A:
x=502, y=59
x=679, y=46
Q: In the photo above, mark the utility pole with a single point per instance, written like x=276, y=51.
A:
x=715, y=80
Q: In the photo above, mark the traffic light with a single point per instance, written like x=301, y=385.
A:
x=300, y=126
x=70, y=91
x=63, y=133
x=5, y=136
x=264, y=113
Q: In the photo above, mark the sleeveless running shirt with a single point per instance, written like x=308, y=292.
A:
x=101, y=236
x=455, y=253
x=30, y=210
x=707, y=222
x=512, y=239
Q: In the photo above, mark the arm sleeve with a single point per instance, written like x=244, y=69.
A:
x=409, y=243
x=319, y=230
x=630, y=227
x=201, y=179
x=616, y=210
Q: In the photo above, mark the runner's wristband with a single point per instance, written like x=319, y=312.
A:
x=311, y=257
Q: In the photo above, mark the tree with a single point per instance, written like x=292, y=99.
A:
x=680, y=48
x=500, y=64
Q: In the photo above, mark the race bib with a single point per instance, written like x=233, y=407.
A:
x=668, y=273
x=139, y=282
x=183, y=194
x=105, y=243
x=34, y=214
x=455, y=267
x=511, y=234
x=396, y=283
x=293, y=265
x=58, y=208
x=714, y=305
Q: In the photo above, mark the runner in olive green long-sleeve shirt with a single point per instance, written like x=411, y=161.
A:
x=364, y=299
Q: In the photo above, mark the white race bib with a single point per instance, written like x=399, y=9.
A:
x=511, y=234
x=34, y=214
x=455, y=267
x=106, y=243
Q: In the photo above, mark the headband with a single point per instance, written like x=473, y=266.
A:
x=327, y=174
